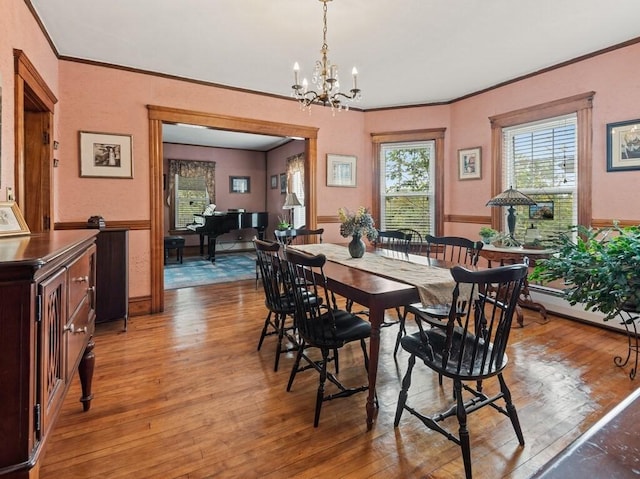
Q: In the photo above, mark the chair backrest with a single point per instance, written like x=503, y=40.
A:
x=416, y=243
x=453, y=249
x=298, y=236
x=269, y=262
x=475, y=342
x=394, y=240
x=314, y=320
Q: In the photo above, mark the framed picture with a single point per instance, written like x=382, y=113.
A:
x=12, y=222
x=105, y=155
x=543, y=210
x=470, y=163
x=283, y=183
x=341, y=170
x=239, y=184
x=623, y=146
x=274, y=182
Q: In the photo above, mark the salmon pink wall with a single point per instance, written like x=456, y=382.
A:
x=19, y=30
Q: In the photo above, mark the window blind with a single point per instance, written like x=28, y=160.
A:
x=407, y=186
x=540, y=161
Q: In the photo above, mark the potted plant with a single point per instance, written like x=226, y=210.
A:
x=487, y=234
x=283, y=224
x=600, y=268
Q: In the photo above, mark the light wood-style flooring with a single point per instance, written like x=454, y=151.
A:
x=185, y=394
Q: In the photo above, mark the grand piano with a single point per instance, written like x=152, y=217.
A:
x=219, y=223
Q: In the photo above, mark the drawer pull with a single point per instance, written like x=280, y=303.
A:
x=72, y=329
x=81, y=279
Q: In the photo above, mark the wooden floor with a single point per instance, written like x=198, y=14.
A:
x=185, y=394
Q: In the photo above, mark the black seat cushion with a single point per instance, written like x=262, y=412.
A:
x=431, y=352
x=349, y=327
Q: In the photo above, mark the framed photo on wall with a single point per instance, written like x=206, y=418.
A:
x=239, y=184
x=470, y=163
x=105, y=155
x=12, y=222
x=341, y=170
x=623, y=146
x=283, y=183
x=274, y=182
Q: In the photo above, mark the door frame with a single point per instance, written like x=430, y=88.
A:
x=32, y=94
x=157, y=116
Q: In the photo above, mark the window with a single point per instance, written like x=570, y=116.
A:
x=295, y=176
x=407, y=186
x=191, y=197
x=540, y=161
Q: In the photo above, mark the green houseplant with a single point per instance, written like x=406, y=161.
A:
x=487, y=234
x=600, y=268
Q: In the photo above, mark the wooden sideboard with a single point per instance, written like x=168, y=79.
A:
x=47, y=320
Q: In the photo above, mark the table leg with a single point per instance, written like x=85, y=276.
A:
x=376, y=316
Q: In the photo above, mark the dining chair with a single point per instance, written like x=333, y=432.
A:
x=471, y=348
x=321, y=325
x=451, y=249
x=278, y=301
x=298, y=236
x=394, y=240
x=416, y=241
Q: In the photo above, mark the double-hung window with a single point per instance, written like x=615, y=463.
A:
x=540, y=160
x=407, y=186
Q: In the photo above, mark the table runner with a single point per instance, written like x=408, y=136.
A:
x=435, y=285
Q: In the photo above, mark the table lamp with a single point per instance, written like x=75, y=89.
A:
x=290, y=202
x=511, y=198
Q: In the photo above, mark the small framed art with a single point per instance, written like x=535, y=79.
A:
x=274, y=182
x=12, y=222
x=105, y=155
x=341, y=170
x=623, y=146
x=239, y=184
x=283, y=183
x=470, y=163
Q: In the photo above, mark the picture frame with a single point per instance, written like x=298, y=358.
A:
x=542, y=210
x=105, y=155
x=470, y=163
x=623, y=146
x=283, y=183
x=240, y=184
x=341, y=170
x=12, y=222
x=274, y=182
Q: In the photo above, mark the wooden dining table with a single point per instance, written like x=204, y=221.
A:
x=375, y=292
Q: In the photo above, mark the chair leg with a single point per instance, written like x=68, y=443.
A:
x=406, y=383
x=280, y=320
x=463, y=432
x=336, y=360
x=264, y=329
x=511, y=409
x=401, y=332
x=296, y=365
x=320, y=393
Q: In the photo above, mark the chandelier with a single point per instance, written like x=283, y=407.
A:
x=326, y=89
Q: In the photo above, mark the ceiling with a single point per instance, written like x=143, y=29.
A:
x=408, y=52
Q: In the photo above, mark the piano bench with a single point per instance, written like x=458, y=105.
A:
x=173, y=242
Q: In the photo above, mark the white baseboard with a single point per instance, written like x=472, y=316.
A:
x=558, y=305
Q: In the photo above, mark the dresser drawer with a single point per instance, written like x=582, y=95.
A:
x=77, y=333
x=80, y=281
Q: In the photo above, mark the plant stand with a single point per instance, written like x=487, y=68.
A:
x=629, y=318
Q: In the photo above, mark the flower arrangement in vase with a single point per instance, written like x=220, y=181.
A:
x=357, y=225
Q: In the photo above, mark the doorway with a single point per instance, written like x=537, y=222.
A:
x=159, y=115
x=34, y=145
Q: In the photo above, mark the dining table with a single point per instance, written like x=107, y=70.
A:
x=382, y=279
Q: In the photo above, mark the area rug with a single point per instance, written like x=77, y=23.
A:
x=199, y=271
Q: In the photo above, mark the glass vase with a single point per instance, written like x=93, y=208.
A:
x=356, y=246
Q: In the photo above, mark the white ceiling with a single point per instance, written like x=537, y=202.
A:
x=407, y=52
